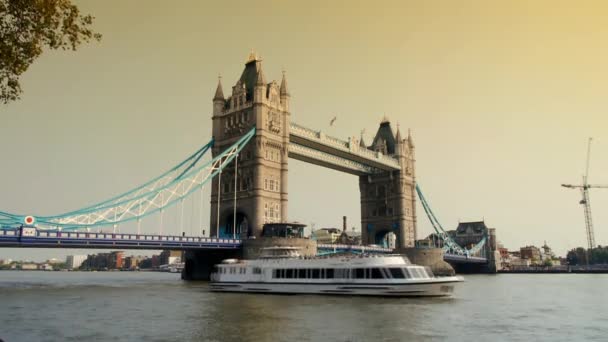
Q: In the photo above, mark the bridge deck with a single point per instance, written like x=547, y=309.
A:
x=114, y=241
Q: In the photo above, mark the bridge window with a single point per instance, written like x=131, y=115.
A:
x=390, y=211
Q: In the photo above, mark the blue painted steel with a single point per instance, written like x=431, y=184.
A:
x=450, y=246
x=13, y=220
x=63, y=239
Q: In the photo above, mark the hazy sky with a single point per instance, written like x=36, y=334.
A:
x=500, y=97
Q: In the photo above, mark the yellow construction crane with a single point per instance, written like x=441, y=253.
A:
x=585, y=201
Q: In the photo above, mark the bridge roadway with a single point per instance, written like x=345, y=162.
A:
x=91, y=240
x=55, y=239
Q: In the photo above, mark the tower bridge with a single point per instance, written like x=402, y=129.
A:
x=385, y=168
x=253, y=140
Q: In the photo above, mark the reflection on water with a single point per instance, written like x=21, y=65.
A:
x=121, y=306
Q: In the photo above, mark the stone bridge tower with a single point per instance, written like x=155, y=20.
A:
x=388, y=199
x=261, y=184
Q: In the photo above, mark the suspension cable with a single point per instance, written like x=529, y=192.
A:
x=236, y=166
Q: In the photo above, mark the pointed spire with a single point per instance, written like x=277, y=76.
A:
x=260, y=79
x=410, y=141
x=284, y=90
x=219, y=93
x=362, y=143
x=398, y=136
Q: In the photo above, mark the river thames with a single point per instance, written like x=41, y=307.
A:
x=137, y=306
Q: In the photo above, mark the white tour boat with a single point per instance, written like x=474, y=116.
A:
x=283, y=270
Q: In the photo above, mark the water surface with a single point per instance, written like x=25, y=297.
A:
x=135, y=306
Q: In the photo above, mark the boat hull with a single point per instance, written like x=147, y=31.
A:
x=437, y=287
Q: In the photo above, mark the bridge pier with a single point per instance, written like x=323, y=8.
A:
x=430, y=257
x=199, y=264
x=473, y=268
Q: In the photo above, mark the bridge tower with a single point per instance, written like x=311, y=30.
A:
x=388, y=200
x=261, y=177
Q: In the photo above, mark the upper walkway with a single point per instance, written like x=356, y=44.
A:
x=347, y=156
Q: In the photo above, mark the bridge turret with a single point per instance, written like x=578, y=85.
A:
x=261, y=181
x=218, y=100
x=284, y=93
x=259, y=90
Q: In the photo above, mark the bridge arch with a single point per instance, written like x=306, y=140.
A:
x=244, y=226
x=386, y=237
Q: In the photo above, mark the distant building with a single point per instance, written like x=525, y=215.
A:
x=170, y=257
x=155, y=261
x=115, y=260
x=45, y=267
x=547, y=253
x=132, y=262
x=54, y=261
x=517, y=263
x=29, y=267
x=505, y=258
x=74, y=261
x=531, y=253
x=326, y=235
x=104, y=261
x=350, y=237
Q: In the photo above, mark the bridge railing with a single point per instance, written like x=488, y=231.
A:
x=346, y=146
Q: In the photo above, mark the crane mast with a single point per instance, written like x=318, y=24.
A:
x=585, y=201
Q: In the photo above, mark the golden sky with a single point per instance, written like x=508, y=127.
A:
x=500, y=97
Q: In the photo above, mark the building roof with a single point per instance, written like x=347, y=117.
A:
x=219, y=93
x=250, y=75
x=385, y=133
x=475, y=226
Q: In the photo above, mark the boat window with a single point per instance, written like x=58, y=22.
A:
x=359, y=273
x=416, y=273
x=396, y=273
x=232, y=270
x=376, y=274
x=342, y=273
x=316, y=273
x=257, y=270
x=422, y=272
x=289, y=273
x=302, y=273
x=329, y=273
x=406, y=273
